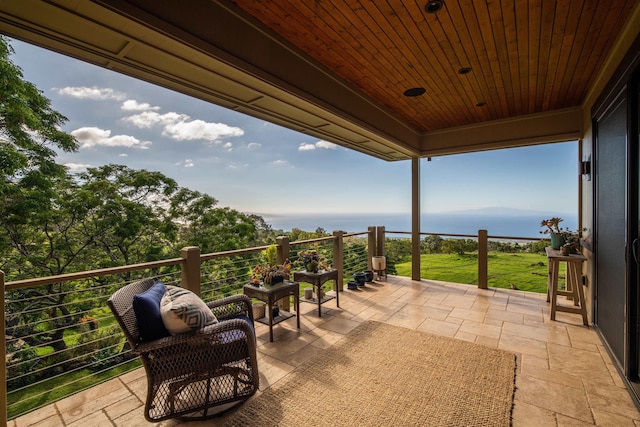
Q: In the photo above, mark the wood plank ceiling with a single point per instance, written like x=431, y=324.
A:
x=525, y=56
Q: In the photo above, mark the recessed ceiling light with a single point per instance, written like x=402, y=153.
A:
x=434, y=6
x=414, y=91
x=464, y=70
x=481, y=104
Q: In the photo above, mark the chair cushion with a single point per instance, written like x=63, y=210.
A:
x=184, y=311
x=146, y=307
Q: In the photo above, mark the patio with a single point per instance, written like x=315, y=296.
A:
x=565, y=376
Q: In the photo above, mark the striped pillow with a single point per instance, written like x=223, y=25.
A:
x=184, y=311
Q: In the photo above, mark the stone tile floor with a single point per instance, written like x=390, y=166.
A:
x=565, y=377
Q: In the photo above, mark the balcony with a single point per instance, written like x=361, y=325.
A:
x=564, y=373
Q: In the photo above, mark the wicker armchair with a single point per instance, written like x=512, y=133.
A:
x=198, y=374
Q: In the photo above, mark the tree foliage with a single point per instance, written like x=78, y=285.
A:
x=54, y=222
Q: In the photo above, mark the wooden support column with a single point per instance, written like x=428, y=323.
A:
x=371, y=246
x=415, y=218
x=380, y=236
x=282, y=254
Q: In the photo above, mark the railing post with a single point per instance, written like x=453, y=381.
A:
x=3, y=347
x=282, y=254
x=380, y=240
x=283, y=251
x=371, y=250
x=338, y=257
x=482, y=259
x=191, y=269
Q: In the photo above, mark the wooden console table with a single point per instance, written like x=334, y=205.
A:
x=271, y=294
x=574, y=283
x=316, y=280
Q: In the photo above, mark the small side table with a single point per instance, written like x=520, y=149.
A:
x=316, y=280
x=574, y=285
x=272, y=294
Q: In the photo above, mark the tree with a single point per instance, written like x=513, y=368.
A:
x=55, y=222
x=432, y=244
x=29, y=134
x=459, y=246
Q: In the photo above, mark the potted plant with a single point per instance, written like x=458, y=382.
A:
x=561, y=237
x=269, y=273
x=571, y=242
x=554, y=230
x=312, y=261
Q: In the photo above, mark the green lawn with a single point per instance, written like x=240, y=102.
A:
x=526, y=271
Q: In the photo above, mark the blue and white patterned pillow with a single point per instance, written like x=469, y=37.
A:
x=184, y=311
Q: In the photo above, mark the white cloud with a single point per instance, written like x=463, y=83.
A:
x=123, y=155
x=148, y=118
x=133, y=105
x=187, y=163
x=254, y=145
x=181, y=128
x=76, y=167
x=228, y=146
x=326, y=144
x=305, y=146
x=236, y=165
x=280, y=163
x=92, y=137
x=95, y=93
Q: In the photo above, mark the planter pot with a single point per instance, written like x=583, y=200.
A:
x=275, y=311
x=258, y=309
x=352, y=285
x=565, y=250
x=368, y=275
x=360, y=278
x=379, y=263
x=557, y=241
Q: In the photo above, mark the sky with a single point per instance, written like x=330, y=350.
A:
x=254, y=166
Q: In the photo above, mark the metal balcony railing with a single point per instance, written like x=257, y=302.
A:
x=60, y=337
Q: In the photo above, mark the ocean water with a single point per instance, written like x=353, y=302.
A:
x=512, y=225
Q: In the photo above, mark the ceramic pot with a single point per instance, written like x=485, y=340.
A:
x=557, y=240
x=368, y=275
x=360, y=278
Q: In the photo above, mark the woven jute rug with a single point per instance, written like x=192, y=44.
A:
x=383, y=375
